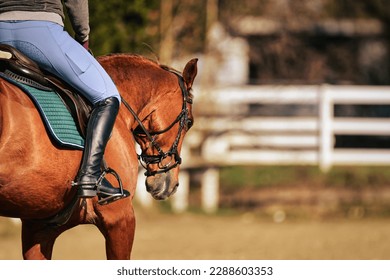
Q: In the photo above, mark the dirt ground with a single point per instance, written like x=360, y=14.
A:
x=245, y=236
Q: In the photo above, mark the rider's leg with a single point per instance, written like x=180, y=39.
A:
x=55, y=51
x=99, y=127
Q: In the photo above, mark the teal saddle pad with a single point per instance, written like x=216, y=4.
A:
x=58, y=121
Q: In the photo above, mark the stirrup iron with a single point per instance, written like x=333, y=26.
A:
x=105, y=198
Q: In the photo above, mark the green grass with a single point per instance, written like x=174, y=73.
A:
x=306, y=192
x=274, y=176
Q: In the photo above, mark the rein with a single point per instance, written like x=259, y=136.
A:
x=144, y=159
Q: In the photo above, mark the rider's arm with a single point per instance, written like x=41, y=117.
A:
x=79, y=17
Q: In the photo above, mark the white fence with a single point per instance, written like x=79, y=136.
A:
x=227, y=133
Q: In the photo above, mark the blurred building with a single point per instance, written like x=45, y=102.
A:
x=263, y=50
x=286, y=49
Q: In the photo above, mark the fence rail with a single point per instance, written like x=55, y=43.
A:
x=229, y=131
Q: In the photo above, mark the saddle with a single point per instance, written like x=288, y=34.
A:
x=19, y=67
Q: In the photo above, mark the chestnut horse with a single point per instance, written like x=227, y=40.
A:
x=36, y=175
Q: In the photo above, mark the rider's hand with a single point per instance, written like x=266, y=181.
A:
x=85, y=45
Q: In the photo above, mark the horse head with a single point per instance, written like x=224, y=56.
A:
x=160, y=134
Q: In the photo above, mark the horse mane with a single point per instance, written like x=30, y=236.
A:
x=171, y=69
x=142, y=58
x=136, y=59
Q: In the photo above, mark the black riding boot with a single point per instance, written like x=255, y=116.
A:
x=99, y=128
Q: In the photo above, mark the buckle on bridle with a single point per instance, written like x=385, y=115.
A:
x=146, y=160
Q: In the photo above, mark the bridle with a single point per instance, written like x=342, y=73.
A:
x=183, y=120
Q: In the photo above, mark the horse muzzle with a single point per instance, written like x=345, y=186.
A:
x=161, y=185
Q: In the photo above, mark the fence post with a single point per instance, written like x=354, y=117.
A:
x=143, y=197
x=325, y=129
x=210, y=190
x=180, y=198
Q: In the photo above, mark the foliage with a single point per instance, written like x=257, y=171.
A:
x=119, y=25
x=129, y=25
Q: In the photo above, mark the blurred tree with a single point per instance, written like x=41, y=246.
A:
x=142, y=26
x=178, y=27
x=167, y=37
x=119, y=25
x=188, y=26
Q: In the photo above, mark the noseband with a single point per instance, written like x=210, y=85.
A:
x=182, y=119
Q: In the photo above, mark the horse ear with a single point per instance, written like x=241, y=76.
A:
x=189, y=72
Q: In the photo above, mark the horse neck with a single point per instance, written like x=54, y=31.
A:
x=138, y=79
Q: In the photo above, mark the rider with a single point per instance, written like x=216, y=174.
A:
x=36, y=28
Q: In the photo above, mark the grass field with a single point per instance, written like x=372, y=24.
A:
x=239, y=236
